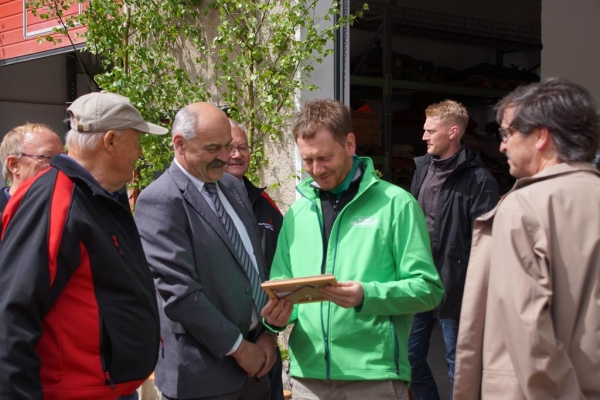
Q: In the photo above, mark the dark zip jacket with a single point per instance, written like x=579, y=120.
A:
x=269, y=219
x=468, y=192
x=78, y=311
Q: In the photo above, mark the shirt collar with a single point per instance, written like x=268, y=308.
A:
x=197, y=182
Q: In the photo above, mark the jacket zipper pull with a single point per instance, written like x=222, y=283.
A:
x=162, y=347
x=116, y=243
x=108, y=380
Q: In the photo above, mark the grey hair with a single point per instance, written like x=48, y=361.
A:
x=185, y=124
x=566, y=109
x=235, y=124
x=84, y=141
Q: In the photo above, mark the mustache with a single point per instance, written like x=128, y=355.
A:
x=216, y=163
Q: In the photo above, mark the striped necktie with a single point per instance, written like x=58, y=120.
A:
x=258, y=294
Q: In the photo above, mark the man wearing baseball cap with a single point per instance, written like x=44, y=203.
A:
x=78, y=313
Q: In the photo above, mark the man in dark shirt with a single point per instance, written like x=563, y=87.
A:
x=453, y=187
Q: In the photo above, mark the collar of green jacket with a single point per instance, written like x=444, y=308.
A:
x=369, y=178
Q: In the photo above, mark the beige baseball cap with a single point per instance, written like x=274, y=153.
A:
x=103, y=111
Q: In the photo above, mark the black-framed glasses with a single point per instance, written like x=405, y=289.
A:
x=505, y=133
x=37, y=157
x=243, y=149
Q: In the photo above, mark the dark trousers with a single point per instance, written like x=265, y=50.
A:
x=423, y=385
x=275, y=378
x=254, y=389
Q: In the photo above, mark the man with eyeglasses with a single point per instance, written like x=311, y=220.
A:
x=78, y=311
x=25, y=151
x=267, y=215
x=203, y=248
x=530, y=322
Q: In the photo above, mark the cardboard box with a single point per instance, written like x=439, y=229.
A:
x=365, y=126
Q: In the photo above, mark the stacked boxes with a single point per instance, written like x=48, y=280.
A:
x=365, y=125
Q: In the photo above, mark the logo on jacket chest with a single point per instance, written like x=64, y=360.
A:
x=364, y=222
x=267, y=225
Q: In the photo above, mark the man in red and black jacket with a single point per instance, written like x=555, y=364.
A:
x=78, y=311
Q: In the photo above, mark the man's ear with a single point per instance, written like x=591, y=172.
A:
x=178, y=143
x=12, y=164
x=543, y=139
x=109, y=140
x=453, y=133
x=351, y=143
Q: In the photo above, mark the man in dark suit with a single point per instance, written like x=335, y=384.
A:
x=203, y=247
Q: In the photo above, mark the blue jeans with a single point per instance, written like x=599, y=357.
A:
x=423, y=385
x=129, y=397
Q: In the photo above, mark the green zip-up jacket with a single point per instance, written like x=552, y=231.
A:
x=379, y=239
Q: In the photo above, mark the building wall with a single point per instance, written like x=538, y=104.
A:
x=570, y=32
x=34, y=91
x=20, y=29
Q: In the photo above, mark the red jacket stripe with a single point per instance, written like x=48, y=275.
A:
x=15, y=201
x=59, y=208
x=266, y=196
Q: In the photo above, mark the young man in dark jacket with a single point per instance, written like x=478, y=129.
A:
x=453, y=187
x=78, y=311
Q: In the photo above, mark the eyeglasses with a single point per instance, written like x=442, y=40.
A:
x=506, y=133
x=37, y=157
x=243, y=149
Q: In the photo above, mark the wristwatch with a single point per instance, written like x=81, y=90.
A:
x=270, y=333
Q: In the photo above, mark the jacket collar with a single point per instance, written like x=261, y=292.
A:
x=254, y=192
x=76, y=172
x=547, y=173
x=554, y=171
x=466, y=158
x=369, y=178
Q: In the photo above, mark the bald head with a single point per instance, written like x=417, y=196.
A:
x=202, y=140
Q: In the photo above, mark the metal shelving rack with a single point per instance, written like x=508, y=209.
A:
x=386, y=20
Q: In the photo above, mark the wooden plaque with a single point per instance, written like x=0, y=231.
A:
x=299, y=290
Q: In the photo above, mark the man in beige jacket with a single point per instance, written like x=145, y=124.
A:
x=530, y=322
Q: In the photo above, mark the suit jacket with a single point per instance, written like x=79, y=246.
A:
x=205, y=298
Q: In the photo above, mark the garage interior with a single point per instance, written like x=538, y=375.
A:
x=408, y=54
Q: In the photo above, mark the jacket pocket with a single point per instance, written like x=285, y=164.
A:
x=129, y=342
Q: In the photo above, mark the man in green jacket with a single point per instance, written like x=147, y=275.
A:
x=372, y=236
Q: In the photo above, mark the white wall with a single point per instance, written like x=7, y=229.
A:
x=570, y=32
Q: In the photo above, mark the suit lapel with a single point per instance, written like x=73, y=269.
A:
x=191, y=194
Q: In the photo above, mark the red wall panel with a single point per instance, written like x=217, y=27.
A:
x=19, y=34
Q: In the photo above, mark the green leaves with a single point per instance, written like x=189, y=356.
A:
x=256, y=59
x=263, y=62
x=137, y=42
